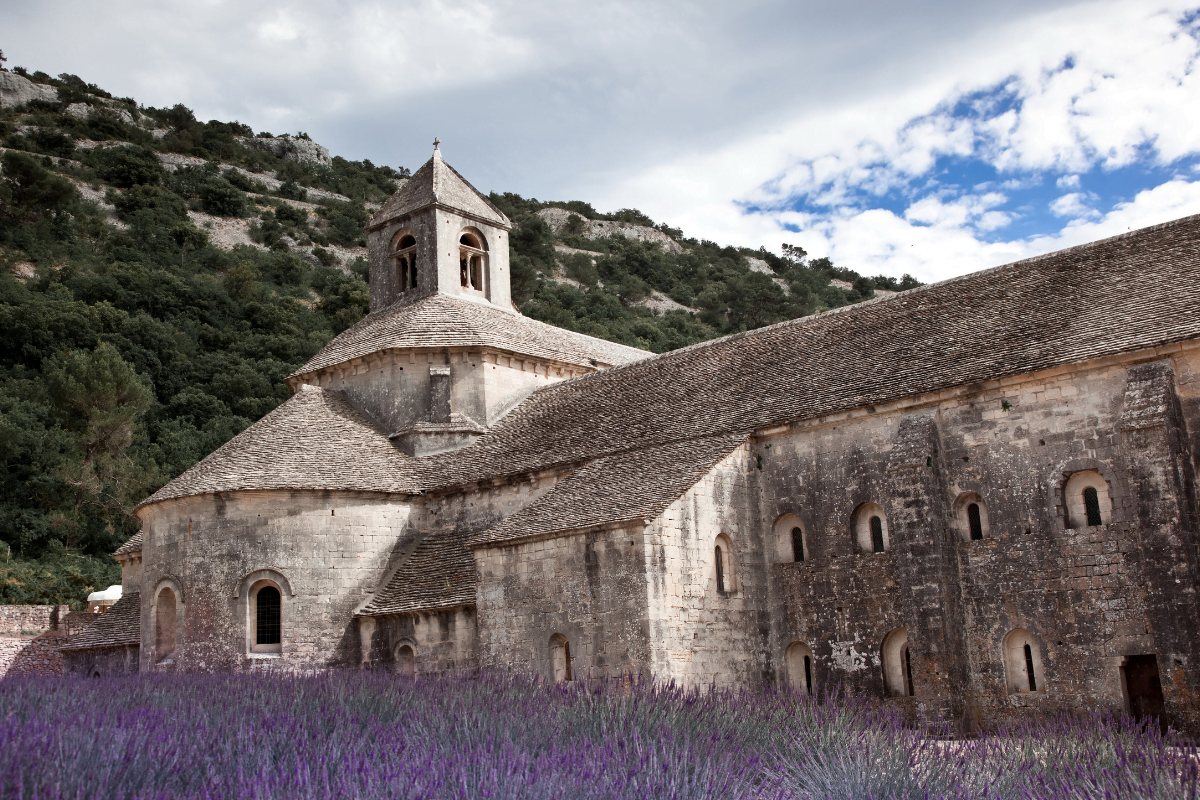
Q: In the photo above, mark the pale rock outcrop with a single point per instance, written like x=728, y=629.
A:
x=758, y=265
x=290, y=148
x=557, y=218
x=17, y=91
x=83, y=111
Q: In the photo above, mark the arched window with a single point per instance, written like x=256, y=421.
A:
x=1023, y=662
x=560, y=658
x=1087, y=499
x=723, y=566
x=472, y=259
x=406, y=661
x=1091, y=506
x=971, y=517
x=790, y=541
x=877, y=534
x=897, y=664
x=404, y=257
x=974, y=521
x=165, y=617
x=266, y=617
x=871, y=529
x=800, y=667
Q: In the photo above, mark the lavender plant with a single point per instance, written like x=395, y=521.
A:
x=376, y=736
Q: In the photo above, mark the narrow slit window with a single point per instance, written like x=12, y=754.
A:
x=1029, y=668
x=877, y=534
x=1091, y=504
x=808, y=673
x=798, y=544
x=975, y=521
x=267, y=616
x=720, y=569
x=908, y=672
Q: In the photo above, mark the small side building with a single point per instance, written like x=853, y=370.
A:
x=110, y=644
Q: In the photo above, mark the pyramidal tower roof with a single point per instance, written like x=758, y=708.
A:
x=437, y=183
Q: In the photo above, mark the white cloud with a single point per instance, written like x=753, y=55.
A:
x=1095, y=86
x=1073, y=205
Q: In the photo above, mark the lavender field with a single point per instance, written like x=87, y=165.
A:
x=376, y=736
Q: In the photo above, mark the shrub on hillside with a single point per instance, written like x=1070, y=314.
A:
x=29, y=192
x=125, y=167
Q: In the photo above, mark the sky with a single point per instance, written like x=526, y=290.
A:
x=927, y=137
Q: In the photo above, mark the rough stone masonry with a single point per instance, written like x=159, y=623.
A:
x=975, y=500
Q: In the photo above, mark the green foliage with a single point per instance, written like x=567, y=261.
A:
x=125, y=167
x=55, y=579
x=30, y=193
x=136, y=352
x=213, y=193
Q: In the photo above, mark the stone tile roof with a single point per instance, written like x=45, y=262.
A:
x=134, y=545
x=314, y=440
x=121, y=625
x=440, y=320
x=1127, y=293
x=625, y=487
x=438, y=183
x=439, y=573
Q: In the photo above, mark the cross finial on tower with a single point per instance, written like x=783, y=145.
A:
x=436, y=142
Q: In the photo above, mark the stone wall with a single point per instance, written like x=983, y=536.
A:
x=588, y=587
x=100, y=663
x=1091, y=595
x=31, y=619
x=31, y=655
x=328, y=551
x=393, y=388
x=700, y=636
x=443, y=642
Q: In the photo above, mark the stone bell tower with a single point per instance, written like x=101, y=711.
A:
x=439, y=235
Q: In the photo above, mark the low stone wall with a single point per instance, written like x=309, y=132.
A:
x=17, y=620
x=31, y=655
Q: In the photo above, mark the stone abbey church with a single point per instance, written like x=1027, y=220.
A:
x=976, y=499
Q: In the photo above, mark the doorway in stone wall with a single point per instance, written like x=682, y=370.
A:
x=1143, y=687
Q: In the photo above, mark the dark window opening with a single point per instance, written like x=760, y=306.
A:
x=975, y=521
x=877, y=534
x=1091, y=504
x=1029, y=668
x=908, y=672
x=477, y=273
x=462, y=272
x=406, y=242
x=267, y=616
x=797, y=544
x=808, y=673
x=720, y=570
x=567, y=658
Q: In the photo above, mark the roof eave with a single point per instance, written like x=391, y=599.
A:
x=373, y=226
